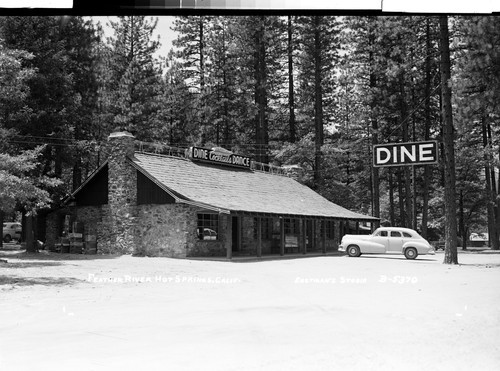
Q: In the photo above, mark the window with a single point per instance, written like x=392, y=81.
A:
x=266, y=228
x=292, y=226
x=395, y=234
x=330, y=229
x=382, y=234
x=208, y=227
x=407, y=235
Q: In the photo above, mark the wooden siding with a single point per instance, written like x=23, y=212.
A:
x=95, y=192
x=149, y=193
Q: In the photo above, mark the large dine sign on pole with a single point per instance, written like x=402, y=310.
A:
x=400, y=154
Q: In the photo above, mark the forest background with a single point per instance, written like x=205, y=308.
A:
x=314, y=91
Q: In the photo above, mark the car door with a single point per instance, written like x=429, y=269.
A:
x=395, y=241
x=380, y=242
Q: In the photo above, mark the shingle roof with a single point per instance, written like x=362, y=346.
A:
x=237, y=190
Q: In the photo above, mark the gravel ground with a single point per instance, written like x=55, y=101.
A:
x=61, y=311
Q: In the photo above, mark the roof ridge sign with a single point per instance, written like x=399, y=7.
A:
x=219, y=157
x=401, y=154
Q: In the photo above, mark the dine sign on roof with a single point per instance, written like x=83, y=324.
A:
x=219, y=157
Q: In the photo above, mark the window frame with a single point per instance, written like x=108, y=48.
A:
x=210, y=221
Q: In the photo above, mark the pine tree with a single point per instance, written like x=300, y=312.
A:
x=451, y=256
x=136, y=76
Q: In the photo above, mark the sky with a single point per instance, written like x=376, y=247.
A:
x=162, y=29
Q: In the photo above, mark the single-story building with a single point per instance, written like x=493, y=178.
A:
x=201, y=202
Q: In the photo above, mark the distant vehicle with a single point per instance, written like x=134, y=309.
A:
x=479, y=237
x=387, y=240
x=11, y=231
x=208, y=234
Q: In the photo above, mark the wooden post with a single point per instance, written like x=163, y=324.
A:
x=304, y=235
x=323, y=235
x=240, y=233
x=282, y=236
x=313, y=235
x=229, y=236
x=259, y=236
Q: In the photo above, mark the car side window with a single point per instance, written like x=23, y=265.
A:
x=395, y=234
x=407, y=235
x=382, y=234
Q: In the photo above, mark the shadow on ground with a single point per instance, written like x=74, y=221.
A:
x=30, y=264
x=31, y=281
x=47, y=255
x=485, y=265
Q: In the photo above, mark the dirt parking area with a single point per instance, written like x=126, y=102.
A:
x=77, y=312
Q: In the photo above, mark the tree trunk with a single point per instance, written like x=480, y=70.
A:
x=461, y=221
x=318, y=101
x=261, y=129
x=1, y=222
x=30, y=240
x=77, y=173
x=402, y=211
x=492, y=230
x=374, y=123
x=450, y=254
x=202, y=56
x=498, y=204
x=427, y=169
x=391, y=200
x=406, y=217
x=291, y=90
x=494, y=193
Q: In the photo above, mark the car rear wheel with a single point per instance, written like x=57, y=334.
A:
x=7, y=238
x=353, y=250
x=411, y=253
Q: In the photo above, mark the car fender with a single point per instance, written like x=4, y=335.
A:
x=421, y=247
x=367, y=246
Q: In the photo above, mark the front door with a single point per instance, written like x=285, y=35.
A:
x=381, y=245
x=395, y=241
x=236, y=233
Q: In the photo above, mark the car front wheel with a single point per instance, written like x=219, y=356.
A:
x=411, y=253
x=353, y=251
x=7, y=238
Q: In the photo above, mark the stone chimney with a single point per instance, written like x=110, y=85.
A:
x=122, y=193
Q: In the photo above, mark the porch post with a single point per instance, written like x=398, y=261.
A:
x=229, y=237
x=357, y=227
x=303, y=223
x=313, y=234
x=323, y=235
x=282, y=236
x=259, y=237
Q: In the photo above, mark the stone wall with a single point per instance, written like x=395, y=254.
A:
x=52, y=229
x=197, y=247
x=171, y=230
x=161, y=230
x=91, y=217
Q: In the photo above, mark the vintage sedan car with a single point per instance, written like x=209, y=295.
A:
x=11, y=231
x=387, y=240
